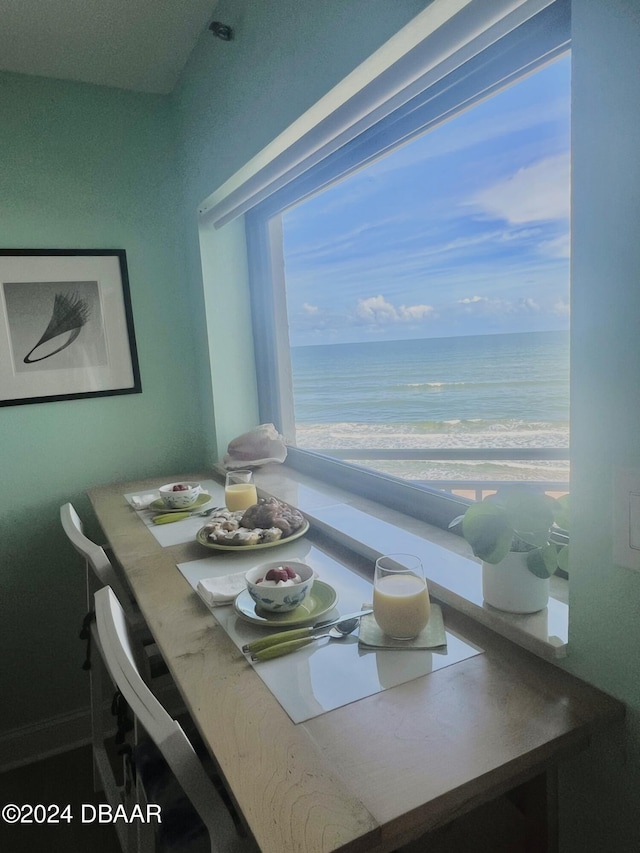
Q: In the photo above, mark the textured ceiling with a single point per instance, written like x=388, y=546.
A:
x=140, y=45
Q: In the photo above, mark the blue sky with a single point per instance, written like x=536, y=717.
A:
x=462, y=231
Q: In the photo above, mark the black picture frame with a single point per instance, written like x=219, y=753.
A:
x=66, y=326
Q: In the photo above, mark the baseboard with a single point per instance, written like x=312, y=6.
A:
x=58, y=734
x=40, y=740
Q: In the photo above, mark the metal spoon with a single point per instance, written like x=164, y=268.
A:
x=338, y=632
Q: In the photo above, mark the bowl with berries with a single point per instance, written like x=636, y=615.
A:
x=179, y=495
x=278, y=586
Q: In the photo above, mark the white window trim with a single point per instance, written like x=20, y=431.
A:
x=448, y=32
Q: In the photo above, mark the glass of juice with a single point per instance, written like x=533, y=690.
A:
x=239, y=490
x=401, y=604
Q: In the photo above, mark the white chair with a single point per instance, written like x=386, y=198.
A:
x=107, y=777
x=218, y=831
x=95, y=556
x=100, y=572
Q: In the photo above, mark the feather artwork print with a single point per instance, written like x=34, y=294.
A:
x=70, y=313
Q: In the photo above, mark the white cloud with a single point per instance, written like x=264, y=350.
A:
x=470, y=300
x=377, y=310
x=483, y=306
x=310, y=309
x=414, y=312
x=536, y=193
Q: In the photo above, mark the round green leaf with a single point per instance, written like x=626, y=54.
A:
x=530, y=516
x=487, y=530
x=543, y=561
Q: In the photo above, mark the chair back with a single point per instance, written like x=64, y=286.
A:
x=166, y=732
x=94, y=555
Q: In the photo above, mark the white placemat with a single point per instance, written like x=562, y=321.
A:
x=177, y=532
x=329, y=673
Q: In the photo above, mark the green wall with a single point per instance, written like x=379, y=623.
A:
x=86, y=167
x=602, y=786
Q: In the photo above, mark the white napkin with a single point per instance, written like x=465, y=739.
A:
x=139, y=502
x=218, y=591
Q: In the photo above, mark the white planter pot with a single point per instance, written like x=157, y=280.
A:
x=512, y=587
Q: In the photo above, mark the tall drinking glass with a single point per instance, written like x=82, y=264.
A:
x=239, y=490
x=401, y=605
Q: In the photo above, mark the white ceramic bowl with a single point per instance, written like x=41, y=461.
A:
x=180, y=499
x=280, y=599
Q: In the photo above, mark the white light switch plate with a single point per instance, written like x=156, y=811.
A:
x=626, y=518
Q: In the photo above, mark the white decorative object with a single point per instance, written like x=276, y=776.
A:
x=257, y=447
x=510, y=586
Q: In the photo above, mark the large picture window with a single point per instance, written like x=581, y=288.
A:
x=418, y=283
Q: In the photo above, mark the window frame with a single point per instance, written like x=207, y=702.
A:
x=538, y=41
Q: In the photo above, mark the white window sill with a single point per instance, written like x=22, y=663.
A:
x=453, y=574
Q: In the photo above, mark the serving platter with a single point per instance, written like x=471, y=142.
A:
x=201, y=537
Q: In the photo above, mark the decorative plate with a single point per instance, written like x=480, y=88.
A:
x=319, y=601
x=201, y=537
x=159, y=505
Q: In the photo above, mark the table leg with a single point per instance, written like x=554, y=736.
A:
x=537, y=800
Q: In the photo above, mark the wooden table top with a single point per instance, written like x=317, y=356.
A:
x=370, y=775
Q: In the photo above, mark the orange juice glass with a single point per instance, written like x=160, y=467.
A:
x=239, y=490
x=401, y=604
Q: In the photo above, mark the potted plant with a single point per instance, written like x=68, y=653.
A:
x=516, y=535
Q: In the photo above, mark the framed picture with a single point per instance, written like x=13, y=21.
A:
x=66, y=326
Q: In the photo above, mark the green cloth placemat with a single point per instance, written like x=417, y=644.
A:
x=433, y=636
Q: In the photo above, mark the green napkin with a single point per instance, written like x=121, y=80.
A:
x=433, y=636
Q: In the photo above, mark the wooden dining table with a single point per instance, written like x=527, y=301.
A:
x=377, y=773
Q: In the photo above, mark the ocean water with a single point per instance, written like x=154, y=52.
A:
x=476, y=391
